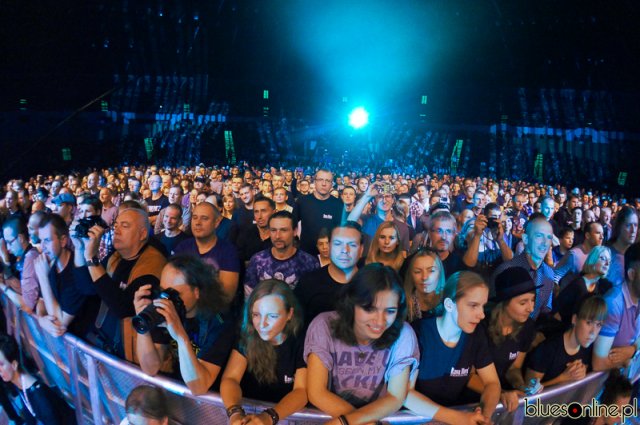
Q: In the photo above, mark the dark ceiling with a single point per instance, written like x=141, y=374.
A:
x=60, y=54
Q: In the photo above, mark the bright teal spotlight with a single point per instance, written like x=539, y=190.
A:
x=358, y=118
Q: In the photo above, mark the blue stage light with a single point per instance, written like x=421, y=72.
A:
x=358, y=118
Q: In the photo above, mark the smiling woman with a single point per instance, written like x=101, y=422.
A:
x=267, y=363
x=360, y=357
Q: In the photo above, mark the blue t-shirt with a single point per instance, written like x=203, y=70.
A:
x=444, y=371
x=223, y=256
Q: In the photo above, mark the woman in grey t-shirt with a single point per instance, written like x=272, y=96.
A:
x=360, y=357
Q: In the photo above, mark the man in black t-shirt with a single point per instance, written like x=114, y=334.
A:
x=157, y=200
x=318, y=210
x=318, y=290
x=256, y=237
x=442, y=231
x=172, y=235
x=243, y=215
x=60, y=282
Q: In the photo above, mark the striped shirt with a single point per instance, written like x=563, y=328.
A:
x=543, y=275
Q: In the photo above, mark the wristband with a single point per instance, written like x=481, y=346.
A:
x=236, y=408
x=343, y=420
x=275, y=418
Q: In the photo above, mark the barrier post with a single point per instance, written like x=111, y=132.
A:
x=94, y=386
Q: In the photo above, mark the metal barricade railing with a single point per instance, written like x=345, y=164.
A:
x=97, y=384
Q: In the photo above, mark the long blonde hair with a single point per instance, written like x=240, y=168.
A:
x=409, y=284
x=374, y=255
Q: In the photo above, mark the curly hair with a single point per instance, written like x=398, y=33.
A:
x=198, y=274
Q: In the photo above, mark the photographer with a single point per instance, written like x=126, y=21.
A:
x=90, y=213
x=199, y=331
x=487, y=242
x=133, y=264
x=60, y=281
x=384, y=201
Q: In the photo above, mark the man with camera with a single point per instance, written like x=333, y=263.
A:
x=185, y=329
x=486, y=245
x=133, y=264
x=383, y=193
x=61, y=283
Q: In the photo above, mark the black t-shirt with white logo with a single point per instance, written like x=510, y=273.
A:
x=290, y=358
x=505, y=353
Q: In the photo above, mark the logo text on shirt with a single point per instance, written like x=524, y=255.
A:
x=464, y=371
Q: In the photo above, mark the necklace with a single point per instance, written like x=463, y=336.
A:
x=361, y=353
x=23, y=384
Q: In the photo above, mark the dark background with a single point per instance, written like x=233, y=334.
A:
x=476, y=61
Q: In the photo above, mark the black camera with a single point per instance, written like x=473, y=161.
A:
x=492, y=224
x=149, y=318
x=84, y=224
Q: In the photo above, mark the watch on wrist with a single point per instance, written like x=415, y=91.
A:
x=94, y=261
x=275, y=418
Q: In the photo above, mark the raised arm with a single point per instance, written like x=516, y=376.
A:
x=150, y=355
x=356, y=212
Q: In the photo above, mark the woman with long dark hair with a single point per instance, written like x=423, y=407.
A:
x=267, y=364
x=361, y=356
x=623, y=234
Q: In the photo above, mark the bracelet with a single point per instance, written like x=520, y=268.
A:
x=343, y=420
x=275, y=418
x=236, y=408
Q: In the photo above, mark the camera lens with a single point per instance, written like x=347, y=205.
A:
x=148, y=319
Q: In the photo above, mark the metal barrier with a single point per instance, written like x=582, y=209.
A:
x=97, y=384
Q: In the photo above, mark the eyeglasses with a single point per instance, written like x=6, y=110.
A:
x=9, y=242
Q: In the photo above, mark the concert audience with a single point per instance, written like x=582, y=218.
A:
x=556, y=241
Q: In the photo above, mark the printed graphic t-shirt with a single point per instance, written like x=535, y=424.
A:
x=359, y=374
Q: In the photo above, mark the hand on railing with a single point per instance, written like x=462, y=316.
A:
x=510, y=399
x=52, y=325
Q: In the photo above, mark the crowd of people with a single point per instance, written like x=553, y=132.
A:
x=359, y=293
